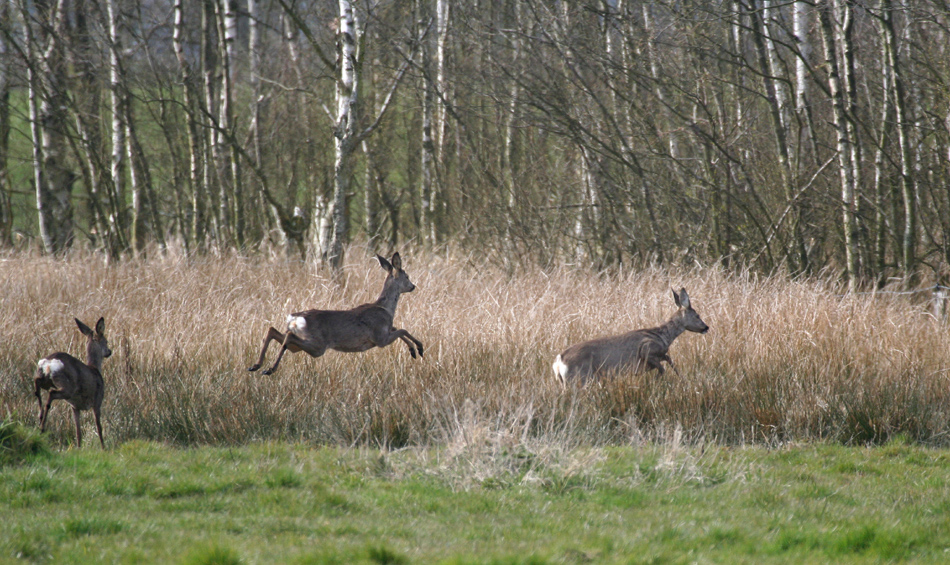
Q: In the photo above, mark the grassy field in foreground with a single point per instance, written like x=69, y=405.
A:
x=146, y=502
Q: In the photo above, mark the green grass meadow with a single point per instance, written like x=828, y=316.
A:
x=145, y=502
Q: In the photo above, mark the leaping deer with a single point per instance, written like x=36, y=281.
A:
x=361, y=328
x=643, y=350
x=79, y=384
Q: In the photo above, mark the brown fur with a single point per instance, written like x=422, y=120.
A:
x=79, y=384
x=350, y=331
x=643, y=350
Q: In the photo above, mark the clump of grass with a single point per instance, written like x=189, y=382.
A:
x=19, y=443
x=785, y=360
x=212, y=554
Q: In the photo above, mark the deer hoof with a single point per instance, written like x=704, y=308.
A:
x=268, y=371
x=253, y=368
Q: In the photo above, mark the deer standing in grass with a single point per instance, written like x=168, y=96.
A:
x=361, y=328
x=643, y=350
x=79, y=384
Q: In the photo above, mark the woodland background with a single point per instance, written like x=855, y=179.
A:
x=800, y=136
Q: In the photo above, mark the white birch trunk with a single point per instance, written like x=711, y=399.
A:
x=53, y=180
x=117, y=103
x=427, y=157
x=846, y=176
x=233, y=203
x=6, y=213
x=190, y=99
x=509, y=164
x=800, y=29
x=345, y=134
x=775, y=66
x=212, y=136
x=443, y=13
x=908, y=186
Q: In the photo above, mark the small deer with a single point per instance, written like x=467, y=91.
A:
x=643, y=350
x=79, y=384
x=361, y=328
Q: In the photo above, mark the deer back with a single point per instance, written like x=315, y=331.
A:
x=342, y=330
x=80, y=384
x=639, y=349
x=603, y=355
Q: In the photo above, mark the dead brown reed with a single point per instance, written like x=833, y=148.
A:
x=785, y=360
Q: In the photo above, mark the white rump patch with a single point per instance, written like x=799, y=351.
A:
x=50, y=366
x=560, y=369
x=296, y=323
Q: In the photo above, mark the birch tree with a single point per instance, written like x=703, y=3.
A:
x=191, y=100
x=892, y=68
x=349, y=128
x=831, y=37
x=6, y=58
x=52, y=177
x=232, y=202
x=118, y=102
x=212, y=142
x=776, y=99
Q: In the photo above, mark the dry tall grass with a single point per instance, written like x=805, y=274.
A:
x=784, y=360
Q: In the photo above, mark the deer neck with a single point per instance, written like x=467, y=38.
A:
x=388, y=298
x=671, y=329
x=94, y=356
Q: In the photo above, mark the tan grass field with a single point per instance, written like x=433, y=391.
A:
x=785, y=360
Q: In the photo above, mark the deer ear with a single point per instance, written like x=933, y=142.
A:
x=101, y=326
x=83, y=327
x=384, y=263
x=684, y=298
x=397, y=261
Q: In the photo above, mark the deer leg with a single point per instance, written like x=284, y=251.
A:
x=78, y=428
x=39, y=399
x=44, y=414
x=272, y=334
x=410, y=341
x=672, y=366
x=383, y=338
x=95, y=411
x=650, y=363
x=294, y=344
x=643, y=365
x=410, y=337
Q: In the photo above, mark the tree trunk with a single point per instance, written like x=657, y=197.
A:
x=258, y=105
x=908, y=186
x=191, y=101
x=213, y=155
x=510, y=162
x=829, y=41
x=347, y=118
x=427, y=154
x=6, y=211
x=231, y=161
x=880, y=174
x=48, y=102
x=845, y=15
x=800, y=27
x=443, y=86
x=119, y=100
x=774, y=95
